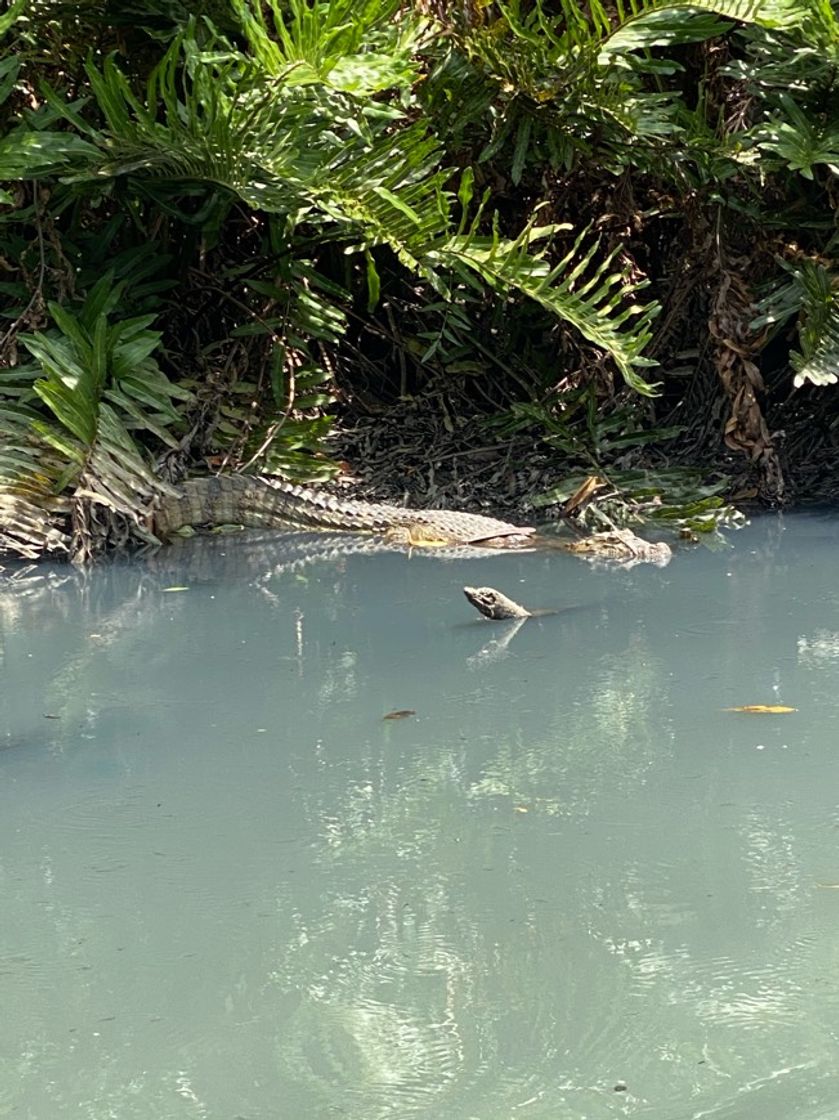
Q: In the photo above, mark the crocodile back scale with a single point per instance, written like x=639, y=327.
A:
x=257, y=503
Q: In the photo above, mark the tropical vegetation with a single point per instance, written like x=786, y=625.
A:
x=605, y=232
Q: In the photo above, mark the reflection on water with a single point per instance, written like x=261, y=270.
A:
x=569, y=887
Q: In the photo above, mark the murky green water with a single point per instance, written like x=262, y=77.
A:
x=569, y=886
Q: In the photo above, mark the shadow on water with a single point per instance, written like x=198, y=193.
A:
x=568, y=886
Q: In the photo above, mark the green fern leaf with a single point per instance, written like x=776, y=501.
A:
x=817, y=363
x=601, y=307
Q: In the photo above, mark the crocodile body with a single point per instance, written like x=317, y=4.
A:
x=239, y=500
x=257, y=503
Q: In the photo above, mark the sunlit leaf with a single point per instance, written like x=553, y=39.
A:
x=584, y=492
x=762, y=709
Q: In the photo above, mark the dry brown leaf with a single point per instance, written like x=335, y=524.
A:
x=583, y=494
x=402, y=713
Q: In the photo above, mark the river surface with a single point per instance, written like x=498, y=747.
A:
x=569, y=885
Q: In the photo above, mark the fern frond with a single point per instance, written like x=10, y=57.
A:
x=355, y=46
x=591, y=294
x=810, y=292
x=98, y=382
x=31, y=512
x=817, y=363
x=801, y=141
x=672, y=23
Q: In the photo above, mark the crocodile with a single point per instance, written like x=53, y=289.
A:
x=258, y=503
x=263, y=504
x=623, y=546
x=495, y=604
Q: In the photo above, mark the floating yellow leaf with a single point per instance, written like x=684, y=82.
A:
x=519, y=809
x=175, y=589
x=762, y=709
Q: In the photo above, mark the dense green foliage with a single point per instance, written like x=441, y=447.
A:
x=223, y=218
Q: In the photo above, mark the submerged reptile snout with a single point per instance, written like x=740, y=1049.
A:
x=494, y=604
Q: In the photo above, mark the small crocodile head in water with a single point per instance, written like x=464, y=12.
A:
x=494, y=604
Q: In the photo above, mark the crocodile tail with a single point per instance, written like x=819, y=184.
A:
x=245, y=500
x=320, y=510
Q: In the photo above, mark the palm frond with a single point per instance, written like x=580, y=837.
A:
x=673, y=23
x=349, y=45
x=564, y=74
x=372, y=186
x=68, y=435
x=817, y=362
x=801, y=141
x=301, y=318
x=31, y=512
x=810, y=292
x=585, y=288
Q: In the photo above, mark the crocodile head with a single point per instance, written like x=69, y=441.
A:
x=494, y=604
x=622, y=546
